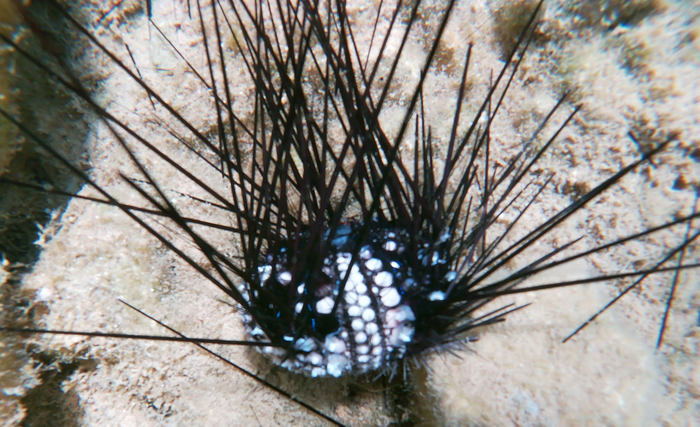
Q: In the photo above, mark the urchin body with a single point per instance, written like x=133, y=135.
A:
x=373, y=324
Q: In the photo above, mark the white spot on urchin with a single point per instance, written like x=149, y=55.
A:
x=444, y=235
x=390, y=246
x=354, y=310
x=274, y=351
x=373, y=264
x=365, y=252
x=437, y=296
x=357, y=325
x=361, y=288
x=264, y=272
x=363, y=359
x=398, y=315
x=368, y=315
x=354, y=272
x=355, y=276
x=284, y=277
x=405, y=333
x=362, y=349
x=405, y=313
x=364, y=301
x=372, y=328
x=334, y=344
x=315, y=359
x=325, y=306
x=361, y=338
x=336, y=365
x=246, y=296
x=390, y=297
x=383, y=279
x=376, y=339
x=304, y=344
x=350, y=297
x=344, y=258
x=298, y=307
x=408, y=284
x=300, y=288
x=450, y=276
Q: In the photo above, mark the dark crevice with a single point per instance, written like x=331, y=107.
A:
x=49, y=404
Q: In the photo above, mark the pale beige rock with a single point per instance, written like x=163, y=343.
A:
x=519, y=372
